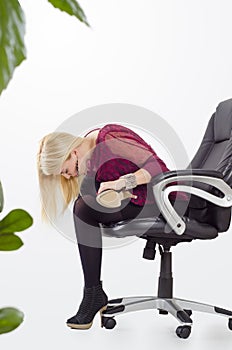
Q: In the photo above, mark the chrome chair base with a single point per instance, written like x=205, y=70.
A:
x=181, y=309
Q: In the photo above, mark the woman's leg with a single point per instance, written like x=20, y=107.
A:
x=87, y=216
x=86, y=220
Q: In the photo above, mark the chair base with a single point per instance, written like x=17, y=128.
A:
x=181, y=309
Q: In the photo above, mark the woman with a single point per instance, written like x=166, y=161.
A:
x=112, y=157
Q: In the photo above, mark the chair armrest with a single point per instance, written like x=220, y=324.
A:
x=162, y=187
x=173, y=173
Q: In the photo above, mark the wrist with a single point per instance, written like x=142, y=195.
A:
x=129, y=180
x=120, y=184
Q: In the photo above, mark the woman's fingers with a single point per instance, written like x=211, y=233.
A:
x=116, y=185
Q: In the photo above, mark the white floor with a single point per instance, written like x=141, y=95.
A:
x=44, y=280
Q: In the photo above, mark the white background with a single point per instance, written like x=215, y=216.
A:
x=172, y=57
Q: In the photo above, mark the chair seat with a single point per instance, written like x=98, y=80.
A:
x=157, y=228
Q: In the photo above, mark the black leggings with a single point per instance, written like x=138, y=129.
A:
x=87, y=216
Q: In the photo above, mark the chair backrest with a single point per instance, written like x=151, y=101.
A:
x=215, y=153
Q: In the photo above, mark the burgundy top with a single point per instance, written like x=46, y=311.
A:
x=120, y=151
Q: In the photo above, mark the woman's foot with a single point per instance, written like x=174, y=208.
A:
x=94, y=300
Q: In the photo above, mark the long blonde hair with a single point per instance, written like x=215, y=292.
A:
x=55, y=190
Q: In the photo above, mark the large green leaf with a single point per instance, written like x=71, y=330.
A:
x=1, y=198
x=12, y=30
x=9, y=241
x=17, y=220
x=10, y=318
x=71, y=7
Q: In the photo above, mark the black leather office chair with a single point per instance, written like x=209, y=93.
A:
x=208, y=180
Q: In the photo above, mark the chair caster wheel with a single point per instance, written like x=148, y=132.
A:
x=230, y=324
x=108, y=322
x=189, y=312
x=183, y=331
x=163, y=312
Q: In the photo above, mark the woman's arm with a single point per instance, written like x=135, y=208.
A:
x=142, y=176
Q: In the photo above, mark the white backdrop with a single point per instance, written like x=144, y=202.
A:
x=172, y=57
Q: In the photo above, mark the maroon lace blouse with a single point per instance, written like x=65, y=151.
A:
x=119, y=151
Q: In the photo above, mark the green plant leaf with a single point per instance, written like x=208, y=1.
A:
x=17, y=220
x=71, y=7
x=10, y=318
x=9, y=241
x=1, y=198
x=12, y=30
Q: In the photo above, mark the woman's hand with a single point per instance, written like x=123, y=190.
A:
x=142, y=177
x=116, y=185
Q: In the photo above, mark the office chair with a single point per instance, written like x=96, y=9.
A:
x=207, y=181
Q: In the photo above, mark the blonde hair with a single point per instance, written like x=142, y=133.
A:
x=54, y=150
